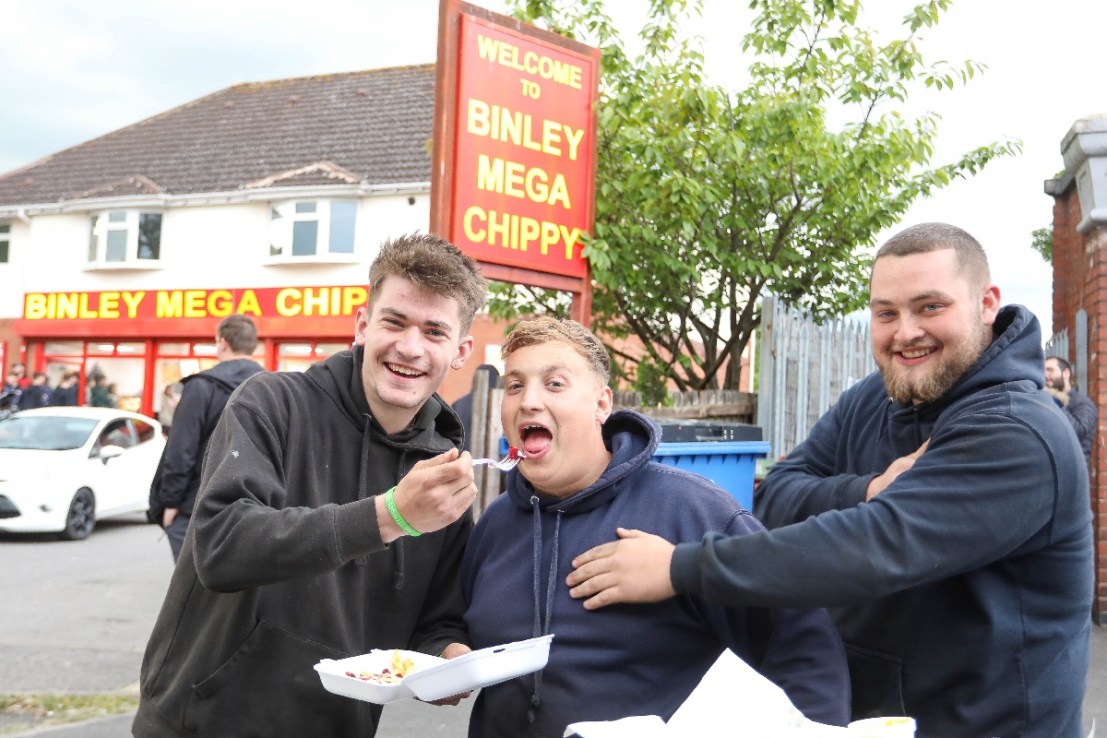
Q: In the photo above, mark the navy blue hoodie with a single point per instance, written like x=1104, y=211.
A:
x=965, y=587
x=625, y=660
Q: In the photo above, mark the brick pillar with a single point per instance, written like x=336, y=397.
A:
x=1080, y=281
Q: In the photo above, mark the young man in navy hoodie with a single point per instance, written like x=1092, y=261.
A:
x=587, y=471
x=940, y=507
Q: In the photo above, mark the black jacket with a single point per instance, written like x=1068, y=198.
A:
x=202, y=401
x=283, y=563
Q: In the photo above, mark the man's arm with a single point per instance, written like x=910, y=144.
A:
x=182, y=456
x=984, y=488
x=245, y=534
x=806, y=482
x=1084, y=416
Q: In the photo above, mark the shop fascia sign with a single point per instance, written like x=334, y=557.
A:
x=264, y=302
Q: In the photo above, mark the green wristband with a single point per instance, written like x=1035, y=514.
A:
x=405, y=526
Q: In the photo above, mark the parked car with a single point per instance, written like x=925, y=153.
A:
x=64, y=468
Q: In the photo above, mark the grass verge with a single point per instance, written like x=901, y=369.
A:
x=19, y=712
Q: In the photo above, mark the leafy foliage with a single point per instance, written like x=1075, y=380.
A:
x=1041, y=240
x=706, y=199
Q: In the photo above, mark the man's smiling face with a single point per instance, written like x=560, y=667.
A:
x=930, y=323
x=411, y=339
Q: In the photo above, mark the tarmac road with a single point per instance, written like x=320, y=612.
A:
x=75, y=617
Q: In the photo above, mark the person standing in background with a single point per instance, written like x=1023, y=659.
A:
x=1077, y=407
x=177, y=479
x=37, y=394
x=65, y=394
x=170, y=396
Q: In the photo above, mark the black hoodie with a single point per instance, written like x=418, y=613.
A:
x=283, y=564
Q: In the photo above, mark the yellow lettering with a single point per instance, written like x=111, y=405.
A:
x=573, y=136
x=83, y=310
x=220, y=303
x=284, y=307
x=66, y=306
x=34, y=306
x=518, y=232
x=314, y=301
x=471, y=214
x=169, y=304
x=194, y=304
x=132, y=300
x=249, y=304
x=507, y=55
x=353, y=298
x=570, y=238
x=109, y=305
x=477, y=120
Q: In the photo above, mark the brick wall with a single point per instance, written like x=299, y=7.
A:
x=1080, y=281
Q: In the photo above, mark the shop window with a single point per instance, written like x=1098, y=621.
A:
x=312, y=229
x=5, y=241
x=124, y=239
x=297, y=357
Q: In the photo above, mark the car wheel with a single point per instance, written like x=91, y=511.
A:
x=81, y=518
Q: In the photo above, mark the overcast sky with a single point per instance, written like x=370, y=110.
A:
x=74, y=70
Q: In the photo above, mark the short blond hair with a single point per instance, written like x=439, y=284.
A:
x=545, y=329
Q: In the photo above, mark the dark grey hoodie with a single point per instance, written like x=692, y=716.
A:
x=283, y=564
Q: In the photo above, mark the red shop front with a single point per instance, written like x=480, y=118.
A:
x=142, y=340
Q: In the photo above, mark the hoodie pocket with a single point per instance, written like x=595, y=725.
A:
x=269, y=687
x=877, y=683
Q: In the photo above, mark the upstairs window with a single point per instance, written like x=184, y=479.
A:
x=312, y=228
x=124, y=238
x=5, y=241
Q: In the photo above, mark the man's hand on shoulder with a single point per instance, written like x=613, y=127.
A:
x=897, y=467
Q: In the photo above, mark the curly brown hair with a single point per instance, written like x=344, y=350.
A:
x=433, y=264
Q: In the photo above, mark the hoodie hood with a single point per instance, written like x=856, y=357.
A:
x=434, y=430
x=229, y=373
x=340, y=377
x=632, y=440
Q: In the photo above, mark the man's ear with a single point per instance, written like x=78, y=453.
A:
x=604, y=405
x=464, y=351
x=990, y=304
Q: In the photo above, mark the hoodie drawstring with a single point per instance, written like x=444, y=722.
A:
x=542, y=625
x=363, y=492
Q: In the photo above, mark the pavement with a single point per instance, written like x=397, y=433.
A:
x=453, y=721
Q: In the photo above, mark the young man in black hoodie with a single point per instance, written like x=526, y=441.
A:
x=331, y=519
x=173, y=491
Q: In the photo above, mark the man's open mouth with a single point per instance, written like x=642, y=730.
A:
x=536, y=439
x=404, y=371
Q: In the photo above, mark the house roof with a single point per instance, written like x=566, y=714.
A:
x=372, y=127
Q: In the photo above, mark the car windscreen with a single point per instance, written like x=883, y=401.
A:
x=54, y=433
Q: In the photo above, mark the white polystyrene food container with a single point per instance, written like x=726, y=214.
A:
x=435, y=678
x=333, y=675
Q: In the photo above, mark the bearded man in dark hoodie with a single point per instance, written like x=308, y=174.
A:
x=333, y=512
x=940, y=507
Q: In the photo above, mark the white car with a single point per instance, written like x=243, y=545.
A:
x=64, y=468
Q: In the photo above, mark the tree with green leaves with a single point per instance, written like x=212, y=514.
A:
x=707, y=199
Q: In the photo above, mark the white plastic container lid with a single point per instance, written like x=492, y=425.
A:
x=435, y=678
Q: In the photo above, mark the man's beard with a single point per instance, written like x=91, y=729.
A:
x=955, y=361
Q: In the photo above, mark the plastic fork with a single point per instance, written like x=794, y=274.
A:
x=507, y=463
